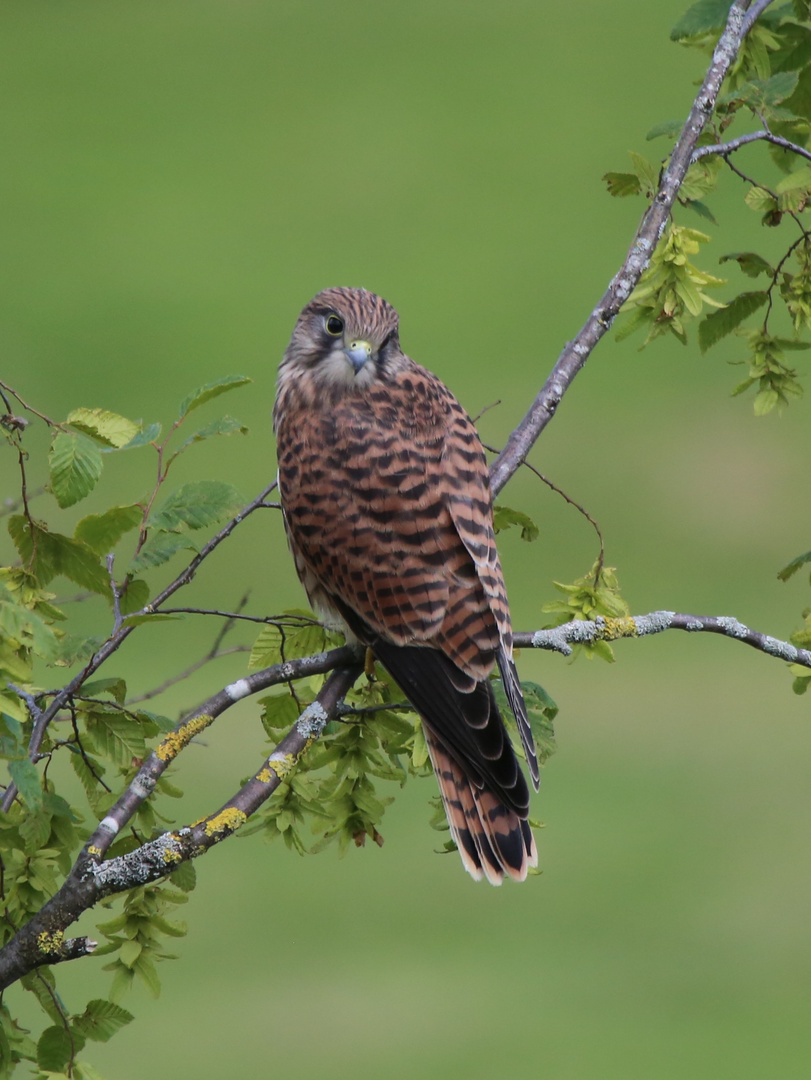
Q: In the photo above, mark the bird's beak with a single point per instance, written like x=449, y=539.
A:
x=358, y=353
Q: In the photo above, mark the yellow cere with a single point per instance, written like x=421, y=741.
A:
x=174, y=742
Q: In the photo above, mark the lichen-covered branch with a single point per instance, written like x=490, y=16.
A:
x=580, y=632
x=42, y=940
x=576, y=352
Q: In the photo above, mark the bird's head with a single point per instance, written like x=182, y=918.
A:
x=344, y=339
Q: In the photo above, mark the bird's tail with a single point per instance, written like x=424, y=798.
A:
x=492, y=839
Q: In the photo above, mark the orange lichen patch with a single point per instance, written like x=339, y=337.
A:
x=227, y=821
x=170, y=747
x=51, y=944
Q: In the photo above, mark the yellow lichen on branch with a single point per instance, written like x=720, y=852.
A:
x=175, y=741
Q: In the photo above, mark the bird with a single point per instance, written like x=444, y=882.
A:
x=387, y=508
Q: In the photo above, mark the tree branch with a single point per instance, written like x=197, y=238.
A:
x=580, y=632
x=724, y=149
x=42, y=939
x=576, y=352
x=119, y=636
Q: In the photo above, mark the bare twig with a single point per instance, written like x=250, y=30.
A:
x=29, y=408
x=727, y=148
x=117, y=620
x=576, y=352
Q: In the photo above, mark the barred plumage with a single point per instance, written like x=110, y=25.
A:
x=388, y=514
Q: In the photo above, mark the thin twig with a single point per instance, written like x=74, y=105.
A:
x=576, y=352
x=30, y=408
x=727, y=148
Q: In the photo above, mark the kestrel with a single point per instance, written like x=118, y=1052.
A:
x=388, y=514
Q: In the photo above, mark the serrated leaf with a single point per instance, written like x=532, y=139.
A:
x=701, y=209
x=116, y=688
x=668, y=127
x=75, y=467
x=106, y=427
x=701, y=18
x=279, y=711
x=800, y=178
x=149, y=435
x=275, y=643
x=196, y=505
x=648, y=175
x=757, y=198
x=794, y=566
x=211, y=390
x=46, y=554
x=750, y=262
x=101, y=1020
x=504, y=517
x=54, y=1049
x=160, y=548
x=225, y=425
x=101, y=532
x=541, y=711
x=24, y=774
x=622, y=184
x=722, y=322
x=116, y=736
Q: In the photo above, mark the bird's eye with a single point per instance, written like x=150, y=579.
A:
x=335, y=326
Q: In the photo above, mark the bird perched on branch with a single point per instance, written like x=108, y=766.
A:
x=388, y=513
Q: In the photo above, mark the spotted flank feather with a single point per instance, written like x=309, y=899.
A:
x=387, y=509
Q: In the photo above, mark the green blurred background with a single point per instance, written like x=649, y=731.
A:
x=179, y=179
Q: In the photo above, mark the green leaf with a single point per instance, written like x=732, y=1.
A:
x=225, y=425
x=752, y=264
x=279, y=711
x=794, y=566
x=800, y=178
x=134, y=597
x=504, y=518
x=54, y=1049
x=144, y=438
x=701, y=209
x=757, y=198
x=541, y=710
x=648, y=175
x=46, y=554
x=185, y=877
x=196, y=505
x=145, y=969
x=24, y=774
x=101, y=532
x=765, y=401
x=106, y=427
x=723, y=321
x=101, y=1020
x=160, y=548
x=701, y=18
x=75, y=465
x=764, y=94
x=205, y=393
x=621, y=184
x=116, y=688
x=116, y=736
x=276, y=643
x=669, y=127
